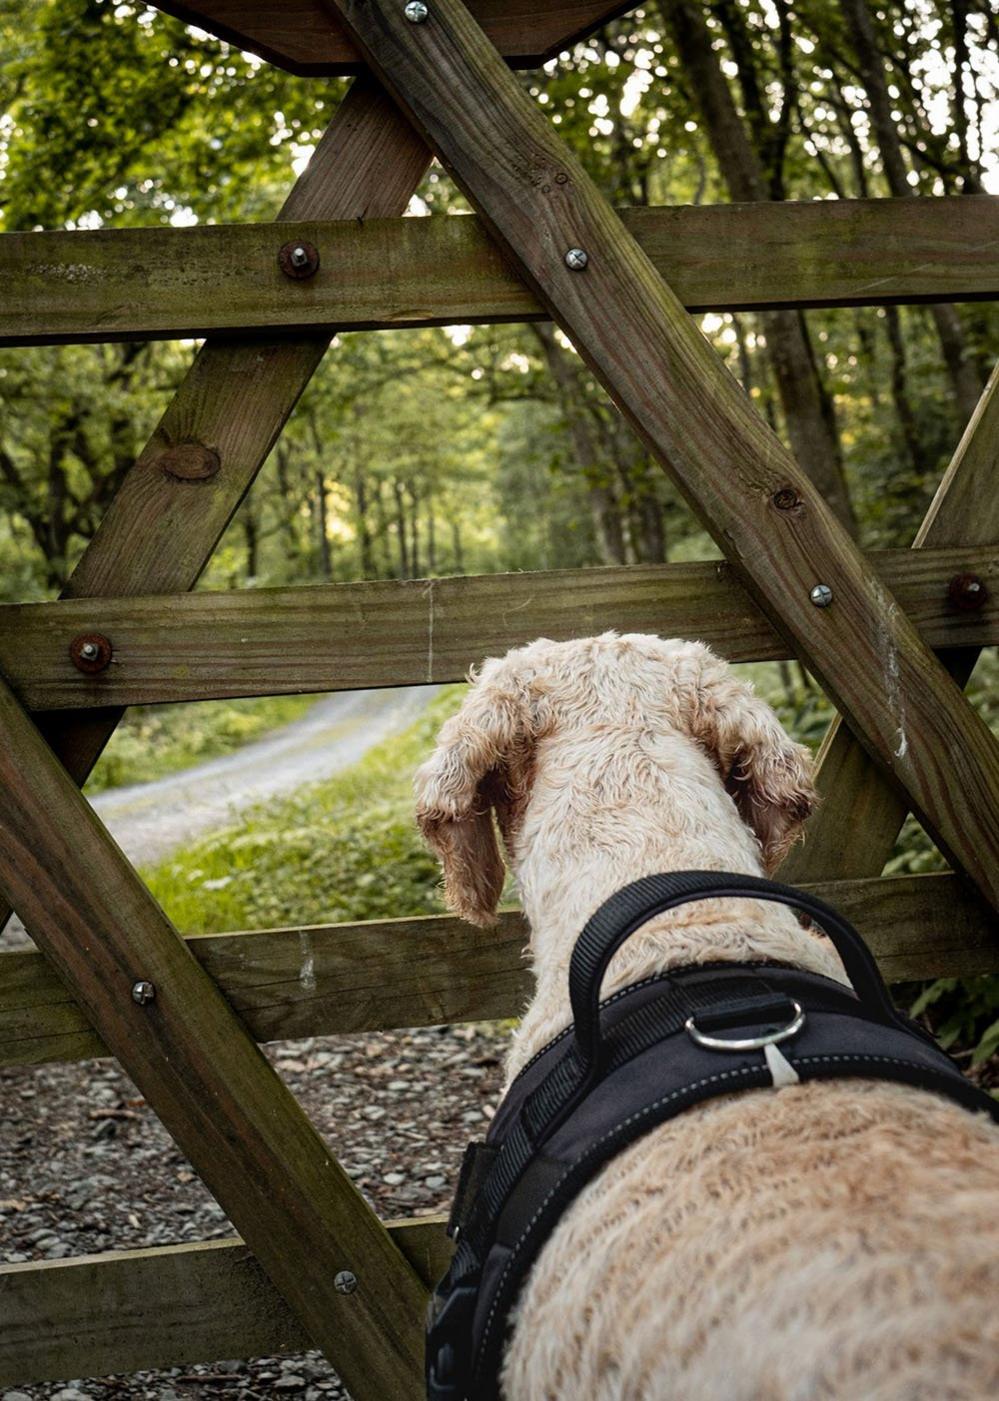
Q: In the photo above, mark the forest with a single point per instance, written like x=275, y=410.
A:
x=470, y=450
x=466, y=450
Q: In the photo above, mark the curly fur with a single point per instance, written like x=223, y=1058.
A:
x=830, y=1240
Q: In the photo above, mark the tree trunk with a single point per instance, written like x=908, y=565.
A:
x=400, y=529
x=322, y=526
x=604, y=506
x=964, y=376
x=365, y=550
x=808, y=409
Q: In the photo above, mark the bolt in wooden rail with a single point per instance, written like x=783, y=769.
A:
x=856, y=825
x=196, y=1064
x=331, y=637
x=539, y=203
x=79, y=286
x=383, y=974
x=163, y=525
x=127, y=1310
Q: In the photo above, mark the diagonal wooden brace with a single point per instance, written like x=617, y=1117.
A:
x=855, y=827
x=545, y=211
x=161, y=528
x=200, y=1070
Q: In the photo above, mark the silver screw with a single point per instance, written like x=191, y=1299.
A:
x=344, y=1282
x=416, y=12
x=821, y=595
x=90, y=651
x=143, y=992
x=299, y=257
x=577, y=258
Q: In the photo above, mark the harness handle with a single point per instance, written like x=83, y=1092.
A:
x=634, y=905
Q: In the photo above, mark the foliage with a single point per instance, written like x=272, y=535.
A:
x=344, y=849
x=154, y=740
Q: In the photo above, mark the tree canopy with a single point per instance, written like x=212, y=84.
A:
x=480, y=449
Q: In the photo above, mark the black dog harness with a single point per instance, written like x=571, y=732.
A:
x=636, y=1060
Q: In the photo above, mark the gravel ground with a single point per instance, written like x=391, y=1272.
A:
x=86, y=1167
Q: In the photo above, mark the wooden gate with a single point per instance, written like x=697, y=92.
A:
x=182, y=1015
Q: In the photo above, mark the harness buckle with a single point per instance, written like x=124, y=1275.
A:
x=747, y=1043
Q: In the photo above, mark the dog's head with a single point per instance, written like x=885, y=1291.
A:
x=486, y=754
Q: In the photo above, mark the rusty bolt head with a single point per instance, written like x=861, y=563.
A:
x=190, y=462
x=90, y=652
x=786, y=498
x=967, y=592
x=143, y=992
x=298, y=259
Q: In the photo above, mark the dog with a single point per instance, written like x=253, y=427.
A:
x=833, y=1239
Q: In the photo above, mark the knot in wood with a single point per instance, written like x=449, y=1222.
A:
x=786, y=499
x=190, y=462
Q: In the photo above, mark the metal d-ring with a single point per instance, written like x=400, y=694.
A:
x=748, y=1043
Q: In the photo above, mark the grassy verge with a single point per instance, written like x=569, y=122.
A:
x=154, y=740
x=343, y=849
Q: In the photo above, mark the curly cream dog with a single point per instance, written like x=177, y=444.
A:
x=827, y=1240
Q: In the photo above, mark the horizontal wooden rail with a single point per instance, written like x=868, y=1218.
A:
x=335, y=637
x=120, y=284
x=336, y=979
x=130, y=1309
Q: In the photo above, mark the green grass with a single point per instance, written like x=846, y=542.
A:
x=154, y=740
x=343, y=849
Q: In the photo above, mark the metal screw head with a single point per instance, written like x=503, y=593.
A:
x=416, y=12
x=967, y=592
x=821, y=595
x=90, y=652
x=344, y=1282
x=298, y=259
x=143, y=992
x=577, y=258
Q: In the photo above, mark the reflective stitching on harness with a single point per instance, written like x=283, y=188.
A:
x=742, y=1074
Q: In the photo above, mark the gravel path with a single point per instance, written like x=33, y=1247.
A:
x=86, y=1167
x=149, y=820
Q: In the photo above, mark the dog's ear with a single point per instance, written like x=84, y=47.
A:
x=482, y=753
x=765, y=772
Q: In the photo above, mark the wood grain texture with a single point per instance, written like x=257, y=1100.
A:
x=160, y=532
x=126, y=1310
x=202, y=646
x=385, y=974
x=201, y=1072
x=80, y=286
x=854, y=829
x=300, y=35
x=537, y=201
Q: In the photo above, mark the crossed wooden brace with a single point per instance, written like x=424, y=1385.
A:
x=87, y=909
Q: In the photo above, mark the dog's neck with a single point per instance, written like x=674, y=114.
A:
x=564, y=875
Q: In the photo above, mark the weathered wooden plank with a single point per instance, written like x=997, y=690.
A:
x=854, y=829
x=384, y=974
x=763, y=511
x=161, y=528
x=336, y=637
x=80, y=286
x=131, y=1309
x=303, y=36
x=201, y=1072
